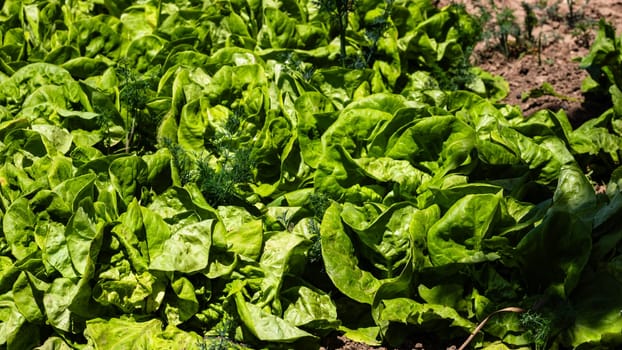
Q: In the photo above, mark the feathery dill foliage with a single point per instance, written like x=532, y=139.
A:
x=220, y=186
x=135, y=93
x=297, y=67
x=339, y=9
x=182, y=162
x=375, y=31
x=576, y=16
x=455, y=77
x=318, y=203
x=502, y=26
x=507, y=27
x=530, y=21
x=134, y=88
x=538, y=328
x=221, y=337
x=219, y=174
x=104, y=122
x=222, y=143
x=232, y=125
x=314, y=254
x=219, y=182
x=235, y=164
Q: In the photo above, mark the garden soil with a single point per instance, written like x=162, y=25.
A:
x=555, y=61
x=529, y=65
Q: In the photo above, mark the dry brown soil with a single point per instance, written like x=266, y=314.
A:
x=556, y=62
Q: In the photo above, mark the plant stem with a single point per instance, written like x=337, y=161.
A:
x=158, y=21
x=130, y=136
x=343, y=25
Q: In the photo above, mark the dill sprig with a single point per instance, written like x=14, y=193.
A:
x=220, y=185
x=340, y=10
x=538, y=327
x=134, y=94
x=318, y=203
x=314, y=253
x=222, y=336
x=181, y=161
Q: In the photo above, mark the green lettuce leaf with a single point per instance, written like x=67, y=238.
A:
x=265, y=326
x=458, y=237
x=117, y=333
x=563, y=240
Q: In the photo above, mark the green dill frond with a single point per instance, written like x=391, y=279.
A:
x=134, y=94
x=221, y=337
x=217, y=187
x=221, y=186
x=530, y=21
x=241, y=166
x=537, y=326
x=232, y=125
x=314, y=254
x=134, y=88
x=318, y=203
x=336, y=7
x=182, y=162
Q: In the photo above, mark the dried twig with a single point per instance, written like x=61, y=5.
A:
x=483, y=323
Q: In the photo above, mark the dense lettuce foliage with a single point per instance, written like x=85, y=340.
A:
x=216, y=174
